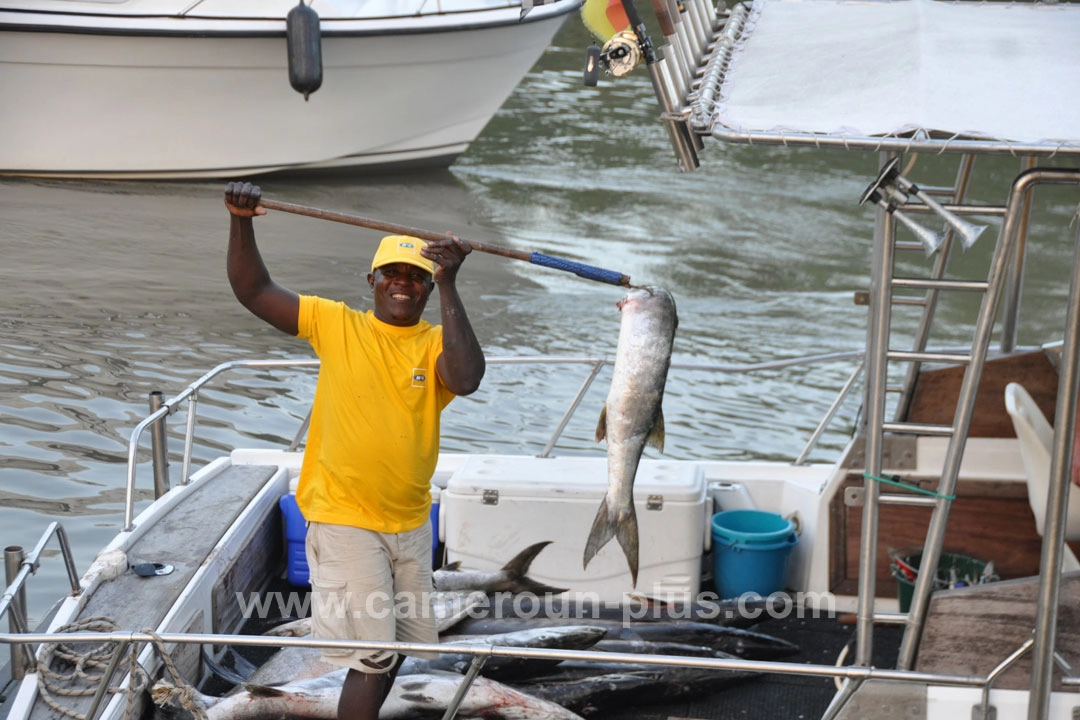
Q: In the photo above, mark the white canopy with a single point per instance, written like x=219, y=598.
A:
x=860, y=70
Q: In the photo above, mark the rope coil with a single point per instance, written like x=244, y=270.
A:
x=88, y=668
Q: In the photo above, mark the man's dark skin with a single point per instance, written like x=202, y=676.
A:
x=401, y=292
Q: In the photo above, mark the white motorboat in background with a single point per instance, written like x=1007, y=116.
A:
x=152, y=89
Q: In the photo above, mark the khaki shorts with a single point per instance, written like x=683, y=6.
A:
x=373, y=586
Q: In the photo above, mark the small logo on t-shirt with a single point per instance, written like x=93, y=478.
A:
x=419, y=377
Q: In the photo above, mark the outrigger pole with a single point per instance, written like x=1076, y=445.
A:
x=589, y=272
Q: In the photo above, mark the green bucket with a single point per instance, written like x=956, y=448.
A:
x=953, y=571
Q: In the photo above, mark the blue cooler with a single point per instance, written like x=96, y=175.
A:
x=435, y=497
x=296, y=567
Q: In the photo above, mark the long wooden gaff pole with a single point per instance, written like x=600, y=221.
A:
x=589, y=272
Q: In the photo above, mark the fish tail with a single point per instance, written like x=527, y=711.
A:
x=626, y=532
x=519, y=565
x=608, y=525
x=517, y=571
x=603, y=529
x=538, y=588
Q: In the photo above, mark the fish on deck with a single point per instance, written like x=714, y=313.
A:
x=503, y=667
x=511, y=578
x=742, y=612
x=630, y=686
x=737, y=641
x=412, y=697
x=632, y=415
x=294, y=663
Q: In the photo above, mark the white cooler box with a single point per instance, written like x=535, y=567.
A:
x=495, y=507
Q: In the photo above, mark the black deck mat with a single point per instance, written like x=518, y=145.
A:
x=772, y=696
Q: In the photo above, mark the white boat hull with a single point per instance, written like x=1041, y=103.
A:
x=133, y=106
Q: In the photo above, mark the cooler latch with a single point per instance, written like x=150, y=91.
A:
x=491, y=497
x=655, y=502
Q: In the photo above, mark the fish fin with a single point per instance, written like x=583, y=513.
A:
x=656, y=435
x=626, y=531
x=622, y=525
x=451, y=567
x=601, y=426
x=538, y=588
x=603, y=529
x=519, y=564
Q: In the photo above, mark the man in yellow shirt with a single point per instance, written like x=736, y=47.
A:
x=384, y=379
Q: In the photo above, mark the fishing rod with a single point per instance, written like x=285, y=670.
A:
x=623, y=52
x=589, y=272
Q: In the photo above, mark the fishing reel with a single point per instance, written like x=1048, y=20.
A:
x=619, y=56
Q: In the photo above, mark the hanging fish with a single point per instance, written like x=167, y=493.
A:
x=632, y=416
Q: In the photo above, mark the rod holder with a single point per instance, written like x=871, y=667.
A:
x=17, y=622
x=159, y=446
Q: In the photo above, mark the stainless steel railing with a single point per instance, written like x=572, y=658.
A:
x=170, y=406
x=190, y=396
x=18, y=567
x=481, y=650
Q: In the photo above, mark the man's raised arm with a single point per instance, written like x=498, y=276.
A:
x=248, y=276
x=461, y=365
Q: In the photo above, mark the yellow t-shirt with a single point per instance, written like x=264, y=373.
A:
x=374, y=435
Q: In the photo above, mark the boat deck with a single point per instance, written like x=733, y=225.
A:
x=970, y=630
x=194, y=529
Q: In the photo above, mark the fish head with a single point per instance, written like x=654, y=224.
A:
x=649, y=298
x=645, y=294
x=635, y=297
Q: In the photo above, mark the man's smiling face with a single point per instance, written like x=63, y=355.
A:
x=401, y=292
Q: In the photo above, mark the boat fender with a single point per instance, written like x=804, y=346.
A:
x=304, y=39
x=107, y=565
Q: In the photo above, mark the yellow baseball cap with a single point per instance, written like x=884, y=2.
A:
x=402, y=249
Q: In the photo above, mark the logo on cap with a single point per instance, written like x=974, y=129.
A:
x=401, y=248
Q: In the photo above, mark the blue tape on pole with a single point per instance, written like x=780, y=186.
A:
x=589, y=272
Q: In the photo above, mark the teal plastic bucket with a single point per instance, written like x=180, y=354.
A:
x=751, y=549
x=753, y=527
x=739, y=569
